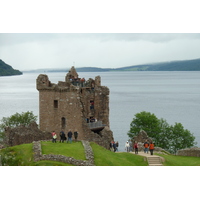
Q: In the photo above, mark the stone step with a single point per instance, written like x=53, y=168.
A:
x=155, y=165
x=154, y=161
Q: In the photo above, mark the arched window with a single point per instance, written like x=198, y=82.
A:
x=63, y=123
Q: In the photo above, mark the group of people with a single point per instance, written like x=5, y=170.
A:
x=147, y=147
x=77, y=81
x=63, y=136
x=114, y=146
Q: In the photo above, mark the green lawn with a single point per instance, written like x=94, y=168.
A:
x=104, y=157
x=171, y=160
x=22, y=155
x=75, y=149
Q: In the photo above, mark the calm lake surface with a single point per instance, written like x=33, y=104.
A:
x=174, y=96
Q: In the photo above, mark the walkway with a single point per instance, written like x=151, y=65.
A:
x=153, y=160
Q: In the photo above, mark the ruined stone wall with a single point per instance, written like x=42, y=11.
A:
x=23, y=135
x=100, y=96
x=195, y=152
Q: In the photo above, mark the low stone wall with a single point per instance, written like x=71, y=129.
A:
x=195, y=152
x=60, y=158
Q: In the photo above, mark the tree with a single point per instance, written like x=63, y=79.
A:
x=170, y=138
x=180, y=138
x=147, y=122
x=25, y=118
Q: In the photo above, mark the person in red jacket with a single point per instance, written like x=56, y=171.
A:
x=151, y=148
x=136, y=147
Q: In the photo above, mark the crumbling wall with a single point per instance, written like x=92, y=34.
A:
x=23, y=135
x=195, y=152
x=103, y=138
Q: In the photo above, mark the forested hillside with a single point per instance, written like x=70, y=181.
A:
x=7, y=70
x=183, y=65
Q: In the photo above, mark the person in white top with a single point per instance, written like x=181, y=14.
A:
x=127, y=146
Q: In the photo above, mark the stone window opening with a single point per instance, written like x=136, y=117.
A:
x=55, y=103
x=63, y=122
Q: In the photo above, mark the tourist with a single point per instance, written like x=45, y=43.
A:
x=82, y=82
x=69, y=135
x=54, y=137
x=131, y=146
x=136, y=147
x=127, y=146
x=75, y=135
x=62, y=136
x=91, y=104
x=76, y=81
x=151, y=148
x=92, y=119
x=146, y=147
x=114, y=146
x=117, y=145
x=111, y=145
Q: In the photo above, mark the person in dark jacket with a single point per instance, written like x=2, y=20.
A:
x=69, y=135
x=62, y=136
x=75, y=135
x=114, y=146
x=117, y=145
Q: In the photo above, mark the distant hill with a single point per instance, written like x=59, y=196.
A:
x=7, y=70
x=182, y=65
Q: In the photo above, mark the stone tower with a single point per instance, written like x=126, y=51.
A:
x=75, y=104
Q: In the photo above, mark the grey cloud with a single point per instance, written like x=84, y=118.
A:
x=151, y=37
x=17, y=38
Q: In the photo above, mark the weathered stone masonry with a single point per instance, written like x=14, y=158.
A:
x=23, y=135
x=69, y=104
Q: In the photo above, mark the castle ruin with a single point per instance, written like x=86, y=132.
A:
x=77, y=105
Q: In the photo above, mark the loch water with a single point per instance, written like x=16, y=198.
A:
x=174, y=96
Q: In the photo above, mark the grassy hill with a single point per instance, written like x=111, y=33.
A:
x=22, y=155
x=7, y=70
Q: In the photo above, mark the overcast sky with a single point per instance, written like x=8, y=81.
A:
x=105, y=50
x=106, y=33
